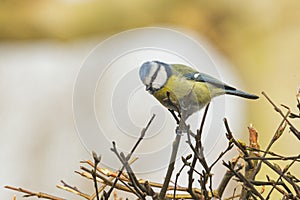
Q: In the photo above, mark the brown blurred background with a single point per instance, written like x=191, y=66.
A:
x=262, y=39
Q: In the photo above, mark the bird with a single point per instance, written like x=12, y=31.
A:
x=183, y=89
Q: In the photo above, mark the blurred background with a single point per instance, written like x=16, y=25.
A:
x=43, y=43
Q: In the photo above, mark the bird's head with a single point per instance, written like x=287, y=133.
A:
x=154, y=75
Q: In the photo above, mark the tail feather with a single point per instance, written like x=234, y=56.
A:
x=241, y=93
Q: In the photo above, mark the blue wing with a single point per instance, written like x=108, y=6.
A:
x=196, y=76
x=191, y=74
x=201, y=77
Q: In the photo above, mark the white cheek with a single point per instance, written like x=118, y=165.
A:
x=160, y=79
x=147, y=80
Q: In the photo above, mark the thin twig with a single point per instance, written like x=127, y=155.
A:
x=253, y=142
x=279, y=178
x=185, y=163
x=94, y=172
x=31, y=194
x=174, y=115
x=73, y=190
x=143, y=132
x=109, y=182
x=198, y=155
x=281, y=183
x=131, y=174
x=296, y=158
x=229, y=147
x=236, y=143
x=242, y=178
x=277, y=109
x=288, y=179
x=150, y=191
x=280, y=157
x=226, y=178
x=132, y=177
x=164, y=188
x=275, y=137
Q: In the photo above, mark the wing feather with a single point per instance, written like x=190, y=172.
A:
x=192, y=74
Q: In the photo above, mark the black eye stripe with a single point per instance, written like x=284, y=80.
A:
x=154, y=75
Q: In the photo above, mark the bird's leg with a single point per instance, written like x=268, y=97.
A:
x=182, y=116
x=182, y=126
x=178, y=131
x=174, y=115
x=186, y=103
x=174, y=105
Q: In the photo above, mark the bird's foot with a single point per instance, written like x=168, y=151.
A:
x=179, y=131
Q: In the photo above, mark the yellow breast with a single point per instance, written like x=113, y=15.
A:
x=181, y=94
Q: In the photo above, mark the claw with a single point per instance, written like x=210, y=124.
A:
x=179, y=131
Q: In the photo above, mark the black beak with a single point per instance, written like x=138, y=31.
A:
x=148, y=87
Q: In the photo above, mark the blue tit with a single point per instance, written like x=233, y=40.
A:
x=183, y=89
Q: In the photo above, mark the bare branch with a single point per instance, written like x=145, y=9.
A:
x=279, y=178
x=277, y=109
x=94, y=172
x=243, y=179
x=226, y=178
x=132, y=177
x=288, y=179
x=236, y=143
x=143, y=132
x=175, y=146
x=275, y=137
x=33, y=194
